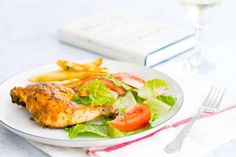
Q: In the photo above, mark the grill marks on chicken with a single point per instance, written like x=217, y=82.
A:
x=51, y=106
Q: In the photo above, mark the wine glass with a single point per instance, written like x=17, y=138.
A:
x=199, y=11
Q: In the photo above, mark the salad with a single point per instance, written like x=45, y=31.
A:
x=139, y=104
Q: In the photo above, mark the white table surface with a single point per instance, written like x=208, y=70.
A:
x=28, y=38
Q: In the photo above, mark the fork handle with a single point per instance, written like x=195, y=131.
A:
x=176, y=144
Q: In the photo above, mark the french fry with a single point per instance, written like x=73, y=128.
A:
x=97, y=62
x=67, y=82
x=70, y=71
x=70, y=66
x=64, y=75
x=72, y=83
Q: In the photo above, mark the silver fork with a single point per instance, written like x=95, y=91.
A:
x=210, y=104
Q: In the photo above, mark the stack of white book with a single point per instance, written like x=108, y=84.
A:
x=127, y=38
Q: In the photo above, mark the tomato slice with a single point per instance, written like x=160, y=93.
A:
x=130, y=79
x=109, y=84
x=135, y=118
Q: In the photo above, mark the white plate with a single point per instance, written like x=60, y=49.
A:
x=17, y=118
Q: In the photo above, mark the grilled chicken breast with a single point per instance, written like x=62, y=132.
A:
x=51, y=106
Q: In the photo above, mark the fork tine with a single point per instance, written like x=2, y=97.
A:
x=213, y=104
x=219, y=98
x=215, y=96
x=208, y=96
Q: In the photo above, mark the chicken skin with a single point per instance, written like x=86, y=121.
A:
x=51, y=105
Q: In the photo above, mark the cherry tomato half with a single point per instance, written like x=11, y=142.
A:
x=135, y=118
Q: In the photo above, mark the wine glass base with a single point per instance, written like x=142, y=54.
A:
x=198, y=64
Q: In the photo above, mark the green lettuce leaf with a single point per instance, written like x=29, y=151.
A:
x=81, y=100
x=75, y=97
x=152, y=88
x=81, y=129
x=115, y=133
x=138, y=99
x=105, y=130
x=99, y=94
x=157, y=108
x=124, y=102
x=112, y=131
x=167, y=99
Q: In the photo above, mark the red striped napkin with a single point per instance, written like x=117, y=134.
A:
x=208, y=132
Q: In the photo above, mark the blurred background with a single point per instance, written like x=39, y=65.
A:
x=29, y=28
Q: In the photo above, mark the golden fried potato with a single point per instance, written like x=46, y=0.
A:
x=97, y=62
x=67, y=82
x=71, y=66
x=70, y=71
x=64, y=75
x=72, y=83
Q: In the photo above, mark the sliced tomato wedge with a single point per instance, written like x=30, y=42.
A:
x=109, y=84
x=136, y=118
x=130, y=79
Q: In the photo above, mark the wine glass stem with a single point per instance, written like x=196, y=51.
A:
x=198, y=51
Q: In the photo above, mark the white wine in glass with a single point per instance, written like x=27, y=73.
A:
x=199, y=11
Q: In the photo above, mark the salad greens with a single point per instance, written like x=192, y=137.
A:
x=126, y=101
x=168, y=99
x=151, y=94
x=152, y=88
x=157, y=109
x=138, y=99
x=81, y=129
x=159, y=104
x=99, y=94
x=115, y=133
x=81, y=100
x=105, y=130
